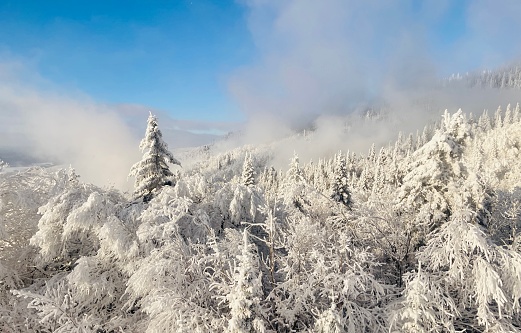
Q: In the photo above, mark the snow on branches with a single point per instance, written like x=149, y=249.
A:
x=422, y=236
x=152, y=172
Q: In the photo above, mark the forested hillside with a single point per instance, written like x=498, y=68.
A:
x=506, y=77
x=421, y=235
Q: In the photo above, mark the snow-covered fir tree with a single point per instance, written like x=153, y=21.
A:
x=245, y=293
x=434, y=171
x=152, y=172
x=339, y=185
x=248, y=173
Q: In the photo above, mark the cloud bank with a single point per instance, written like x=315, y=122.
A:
x=329, y=57
x=51, y=127
x=38, y=123
x=317, y=61
x=321, y=62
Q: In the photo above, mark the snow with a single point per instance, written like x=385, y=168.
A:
x=419, y=236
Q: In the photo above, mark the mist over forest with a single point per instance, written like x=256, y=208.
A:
x=356, y=222
x=364, y=176
x=314, y=63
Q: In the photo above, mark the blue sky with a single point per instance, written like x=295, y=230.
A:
x=168, y=55
x=226, y=60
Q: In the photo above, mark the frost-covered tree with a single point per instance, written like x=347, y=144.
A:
x=507, y=120
x=435, y=171
x=152, y=172
x=269, y=181
x=21, y=193
x=248, y=172
x=244, y=291
x=424, y=306
x=59, y=239
x=329, y=321
x=76, y=285
x=484, y=122
x=294, y=173
x=393, y=237
x=324, y=275
x=245, y=203
x=466, y=283
x=58, y=311
x=238, y=200
x=168, y=284
x=516, y=114
x=498, y=118
x=85, y=241
x=339, y=188
x=293, y=185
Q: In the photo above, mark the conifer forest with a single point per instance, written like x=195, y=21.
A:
x=420, y=235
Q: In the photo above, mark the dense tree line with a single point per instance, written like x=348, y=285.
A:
x=421, y=235
x=503, y=78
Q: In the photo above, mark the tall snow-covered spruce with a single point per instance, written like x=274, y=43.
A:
x=152, y=172
x=245, y=294
x=339, y=188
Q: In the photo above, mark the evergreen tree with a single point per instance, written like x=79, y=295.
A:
x=484, y=122
x=294, y=184
x=321, y=178
x=246, y=292
x=3, y=165
x=364, y=179
x=498, y=118
x=434, y=171
x=294, y=174
x=269, y=181
x=409, y=146
x=507, y=120
x=371, y=156
x=248, y=174
x=516, y=115
x=340, y=191
x=152, y=171
x=379, y=172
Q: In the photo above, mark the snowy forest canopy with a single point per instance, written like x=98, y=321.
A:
x=508, y=77
x=419, y=236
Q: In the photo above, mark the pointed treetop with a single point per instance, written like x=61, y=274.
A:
x=152, y=172
x=248, y=173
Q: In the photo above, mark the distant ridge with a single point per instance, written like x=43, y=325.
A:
x=507, y=77
x=19, y=159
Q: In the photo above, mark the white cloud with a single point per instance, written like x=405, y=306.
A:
x=323, y=56
x=100, y=141
x=320, y=59
x=89, y=136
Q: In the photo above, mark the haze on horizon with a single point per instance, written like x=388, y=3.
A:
x=77, y=80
